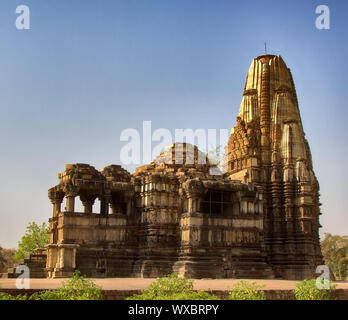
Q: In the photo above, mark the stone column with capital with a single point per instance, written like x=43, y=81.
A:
x=88, y=201
x=71, y=192
x=70, y=202
x=105, y=200
x=129, y=200
x=56, y=198
x=194, y=191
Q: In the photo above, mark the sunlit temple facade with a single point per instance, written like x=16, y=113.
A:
x=259, y=219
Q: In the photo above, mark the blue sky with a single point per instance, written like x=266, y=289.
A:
x=86, y=70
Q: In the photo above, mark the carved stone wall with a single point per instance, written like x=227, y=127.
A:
x=166, y=217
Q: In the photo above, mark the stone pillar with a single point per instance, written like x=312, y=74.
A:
x=51, y=261
x=103, y=206
x=61, y=260
x=129, y=199
x=56, y=199
x=194, y=199
x=129, y=207
x=88, y=201
x=53, y=231
x=71, y=191
x=105, y=200
x=190, y=205
x=194, y=205
x=88, y=206
x=70, y=201
x=113, y=208
x=57, y=206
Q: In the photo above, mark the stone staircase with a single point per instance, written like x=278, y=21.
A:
x=35, y=262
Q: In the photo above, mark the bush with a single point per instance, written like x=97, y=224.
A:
x=245, y=290
x=172, y=287
x=76, y=288
x=6, y=296
x=307, y=290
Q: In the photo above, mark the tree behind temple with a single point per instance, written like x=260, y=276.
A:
x=6, y=259
x=335, y=252
x=35, y=237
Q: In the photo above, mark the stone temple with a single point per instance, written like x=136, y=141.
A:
x=260, y=219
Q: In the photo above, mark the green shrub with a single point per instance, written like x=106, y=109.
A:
x=172, y=287
x=245, y=290
x=6, y=296
x=76, y=288
x=307, y=290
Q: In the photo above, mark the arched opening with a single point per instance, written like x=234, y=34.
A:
x=78, y=205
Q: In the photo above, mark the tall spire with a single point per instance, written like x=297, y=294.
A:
x=268, y=147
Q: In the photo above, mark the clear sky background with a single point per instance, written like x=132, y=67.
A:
x=89, y=69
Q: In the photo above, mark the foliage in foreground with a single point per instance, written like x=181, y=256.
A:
x=6, y=296
x=307, y=290
x=76, y=288
x=172, y=287
x=36, y=236
x=244, y=290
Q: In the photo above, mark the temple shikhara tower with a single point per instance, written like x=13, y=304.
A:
x=268, y=147
x=259, y=219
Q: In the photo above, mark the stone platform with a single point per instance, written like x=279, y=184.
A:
x=120, y=288
x=142, y=283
